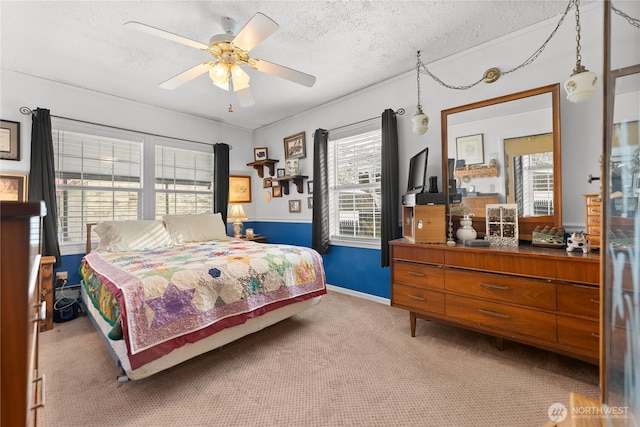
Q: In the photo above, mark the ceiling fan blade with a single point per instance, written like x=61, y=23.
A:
x=164, y=34
x=283, y=72
x=185, y=76
x=245, y=98
x=256, y=30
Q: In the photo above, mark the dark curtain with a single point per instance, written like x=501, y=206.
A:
x=42, y=181
x=390, y=194
x=221, y=179
x=320, y=222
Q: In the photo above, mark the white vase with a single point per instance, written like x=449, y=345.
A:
x=466, y=231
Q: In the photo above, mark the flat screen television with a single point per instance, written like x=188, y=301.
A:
x=418, y=172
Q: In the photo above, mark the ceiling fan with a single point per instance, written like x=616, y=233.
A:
x=230, y=52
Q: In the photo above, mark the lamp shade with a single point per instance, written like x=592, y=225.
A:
x=420, y=122
x=236, y=213
x=581, y=85
x=219, y=74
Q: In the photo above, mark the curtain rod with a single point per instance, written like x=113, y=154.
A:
x=399, y=112
x=28, y=112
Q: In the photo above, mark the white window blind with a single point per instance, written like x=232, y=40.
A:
x=183, y=181
x=97, y=179
x=354, y=170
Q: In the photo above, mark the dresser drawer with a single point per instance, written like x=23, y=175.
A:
x=593, y=199
x=418, y=253
x=594, y=210
x=593, y=221
x=593, y=229
x=522, y=321
x=418, y=299
x=419, y=275
x=579, y=332
x=580, y=300
x=532, y=293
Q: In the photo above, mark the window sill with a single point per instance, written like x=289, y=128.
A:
x=366, y=244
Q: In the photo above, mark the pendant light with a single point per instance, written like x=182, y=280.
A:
x=581, y=85
x=420, y=120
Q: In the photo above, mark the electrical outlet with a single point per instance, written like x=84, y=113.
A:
x=62, y=275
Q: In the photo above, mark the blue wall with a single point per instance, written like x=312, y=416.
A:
x=357, y=269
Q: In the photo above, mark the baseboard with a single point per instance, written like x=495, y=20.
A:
x=351, y=292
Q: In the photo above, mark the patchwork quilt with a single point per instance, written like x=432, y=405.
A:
x=179, y=294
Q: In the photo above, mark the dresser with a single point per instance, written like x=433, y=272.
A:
x=546, y=298
x=21, y=312
x=593, y=215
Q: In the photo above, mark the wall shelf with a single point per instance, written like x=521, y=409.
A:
x=260, y=164
x=298, y=180
x=476, y=172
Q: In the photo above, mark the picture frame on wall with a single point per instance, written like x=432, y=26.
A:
x=266, y=183
x=295, y=146
x=277, y=191
x=280, y=172
x=310, y=187
x=292, y=167
x=295, y=206
x=310, y=202
x=470, y=149
x=239, y=189
x=261, y=153
x=9, y=140
x=14, y=187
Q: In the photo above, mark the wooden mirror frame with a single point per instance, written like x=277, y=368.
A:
x=526, y=225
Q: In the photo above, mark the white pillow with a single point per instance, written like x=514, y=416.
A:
x=195, y=228
x=124, y=236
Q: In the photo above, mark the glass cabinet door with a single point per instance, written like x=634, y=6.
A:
x=620, y=352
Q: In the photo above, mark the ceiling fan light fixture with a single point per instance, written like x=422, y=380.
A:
x=419, y=120
x=239, y=77
x=219, y=74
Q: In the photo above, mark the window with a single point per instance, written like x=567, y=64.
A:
x=101, y=175
x=97, y=179
x=184, y=181
x=354, y=184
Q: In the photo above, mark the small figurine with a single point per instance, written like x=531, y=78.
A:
x=578, y=241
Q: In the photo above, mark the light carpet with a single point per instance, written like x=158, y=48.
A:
x=345, y=362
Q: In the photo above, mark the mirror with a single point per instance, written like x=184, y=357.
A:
x=506, y=150
x=624, y=168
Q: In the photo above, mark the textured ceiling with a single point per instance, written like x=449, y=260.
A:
x=347, y=45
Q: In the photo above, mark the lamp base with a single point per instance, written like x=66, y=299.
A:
x=237, y=229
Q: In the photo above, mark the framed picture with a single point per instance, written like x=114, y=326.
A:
x=295, y=147
x=14, y=187
x=239, y=189
x=310, y=202
x=292, y=167
x=277, y=191
x=9, y=140
x=266, y=183
x=295, y=206
x=310, y=187
x=470, y=149
x=280, y=173
x=260, y=154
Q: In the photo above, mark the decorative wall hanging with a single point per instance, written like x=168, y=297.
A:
x=502, y=224
x=295, y=146
x=239, y=189
x=13, y=187
x=470, y=149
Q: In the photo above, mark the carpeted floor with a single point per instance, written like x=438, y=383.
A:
x=345, y=362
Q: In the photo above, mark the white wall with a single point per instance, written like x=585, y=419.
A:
x=581, y=123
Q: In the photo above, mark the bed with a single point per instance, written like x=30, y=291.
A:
x=162, y=292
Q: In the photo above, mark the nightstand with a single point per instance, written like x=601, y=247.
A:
x=256, y=238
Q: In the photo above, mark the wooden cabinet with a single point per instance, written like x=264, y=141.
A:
x=45, y=290
x=21, y=311
x=538, y=296
x=424, y=223
x=593, y=206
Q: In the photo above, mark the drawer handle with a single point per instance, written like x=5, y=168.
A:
x=593, y=334
x=417, y=298
x=42, y=312
x=40, y=404
x=416, y=274
x=596, y=210
x=595, y=301
x=494, y=314
x=492, y=286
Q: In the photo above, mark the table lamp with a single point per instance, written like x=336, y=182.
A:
x=236, y=213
